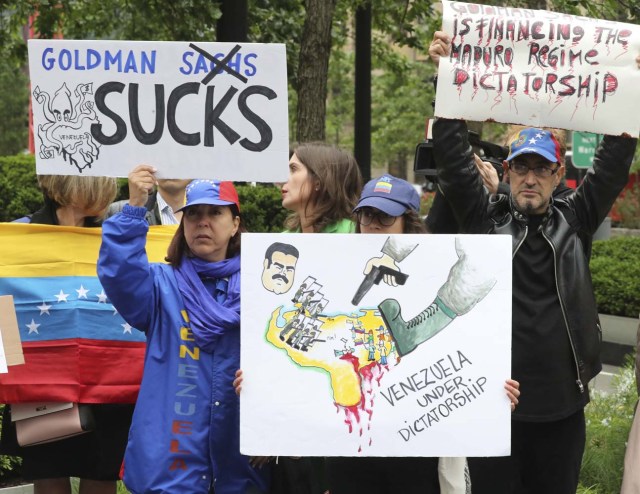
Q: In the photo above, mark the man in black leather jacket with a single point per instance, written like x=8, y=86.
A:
x=556, y=332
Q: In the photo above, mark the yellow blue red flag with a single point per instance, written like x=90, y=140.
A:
x=76, y=346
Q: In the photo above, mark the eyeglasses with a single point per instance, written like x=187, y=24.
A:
x=542, y=171
x=367, y=215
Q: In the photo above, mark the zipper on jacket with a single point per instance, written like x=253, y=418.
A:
x=524, y=237
x=564, y=315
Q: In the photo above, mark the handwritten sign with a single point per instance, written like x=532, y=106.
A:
x=539, y=68
x=193, y=110
x=338, y=363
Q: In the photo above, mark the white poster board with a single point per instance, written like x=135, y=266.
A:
x=332, y=369
x=539, y=68
x=192, y=110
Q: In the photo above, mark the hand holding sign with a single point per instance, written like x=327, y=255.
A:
x=440, y=46
x=141, y=183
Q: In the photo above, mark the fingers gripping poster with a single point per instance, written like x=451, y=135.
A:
x=192, y=110
x=375, y=345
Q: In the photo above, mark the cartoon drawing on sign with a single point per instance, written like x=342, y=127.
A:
x=468, y=283
x=358, y=347
x=384, y=267
x=279, y=268
x=67, y=132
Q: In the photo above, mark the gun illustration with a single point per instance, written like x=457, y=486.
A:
x=374, y=277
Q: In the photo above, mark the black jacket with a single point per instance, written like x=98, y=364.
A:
x=570, y=222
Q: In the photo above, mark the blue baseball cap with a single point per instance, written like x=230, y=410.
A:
x=213, y=192
x=390, y=195
x=537, y=141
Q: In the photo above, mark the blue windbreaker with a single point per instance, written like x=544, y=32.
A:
x=185, y=434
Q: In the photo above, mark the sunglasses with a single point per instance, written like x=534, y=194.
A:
x=367, y=215
x=539, y=171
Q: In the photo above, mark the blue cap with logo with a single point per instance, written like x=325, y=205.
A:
x=212, y=192
x=390, y=195
x=537, y=141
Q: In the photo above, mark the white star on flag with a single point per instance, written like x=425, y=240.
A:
x=33, y=327
x=82, y=292
x=62, y=297
x=126, y=328
x=102, y=297
x=44, y=308
x=538, y=135
x=532, y=140
x=115, y=311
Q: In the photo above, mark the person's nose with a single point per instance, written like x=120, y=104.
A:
x=530, y=178
x=203, y=220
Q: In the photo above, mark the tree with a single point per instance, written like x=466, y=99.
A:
x=313, y=67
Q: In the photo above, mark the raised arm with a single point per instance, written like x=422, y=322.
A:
x=458, y=176
x=123, y=267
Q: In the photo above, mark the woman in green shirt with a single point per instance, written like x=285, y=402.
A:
x=323, y=188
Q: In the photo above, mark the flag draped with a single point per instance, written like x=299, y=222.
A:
x=76, y=346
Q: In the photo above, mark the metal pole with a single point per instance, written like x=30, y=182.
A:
x=362, y=125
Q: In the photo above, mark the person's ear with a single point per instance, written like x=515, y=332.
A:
x=559, y=174
x=236, y=225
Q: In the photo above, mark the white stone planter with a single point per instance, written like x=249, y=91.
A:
x=17, y=489
x=620, y=330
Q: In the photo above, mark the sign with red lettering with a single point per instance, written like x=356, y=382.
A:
x=193, y=110
x=539, y=68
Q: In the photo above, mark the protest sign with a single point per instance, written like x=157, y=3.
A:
x=539, y=68
x=338, y=363
x=192, y=110
x=12, y=348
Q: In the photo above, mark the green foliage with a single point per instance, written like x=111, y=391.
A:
x=608, y=419
x=278, y=21
x=14, y=117
x=628, y=207
x=616, y=275
x=19, y=192
x=187, y=20
x=9, y=465
x=340, y=107
x=261, y=208
x=402, y=97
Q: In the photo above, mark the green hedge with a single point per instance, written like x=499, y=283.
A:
x=9, y=465
x=20, y=195
x=19, y=192
x=615, y=268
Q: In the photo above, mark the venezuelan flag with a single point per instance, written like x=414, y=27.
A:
x=76, y=346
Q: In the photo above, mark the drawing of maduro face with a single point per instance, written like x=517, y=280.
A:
x=279, y=267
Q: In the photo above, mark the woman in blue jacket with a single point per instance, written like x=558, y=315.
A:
x=185, y=432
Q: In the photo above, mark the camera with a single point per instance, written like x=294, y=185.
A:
x=424, y=163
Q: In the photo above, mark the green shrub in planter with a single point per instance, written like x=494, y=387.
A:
x=608, y=418
x=615, y=268
x=261, y=207
x=19, y=192
x=9, y=465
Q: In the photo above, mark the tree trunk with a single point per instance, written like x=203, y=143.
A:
x=313, y=66
x=398, y=167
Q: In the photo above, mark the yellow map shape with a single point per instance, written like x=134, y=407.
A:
x=345, y=381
